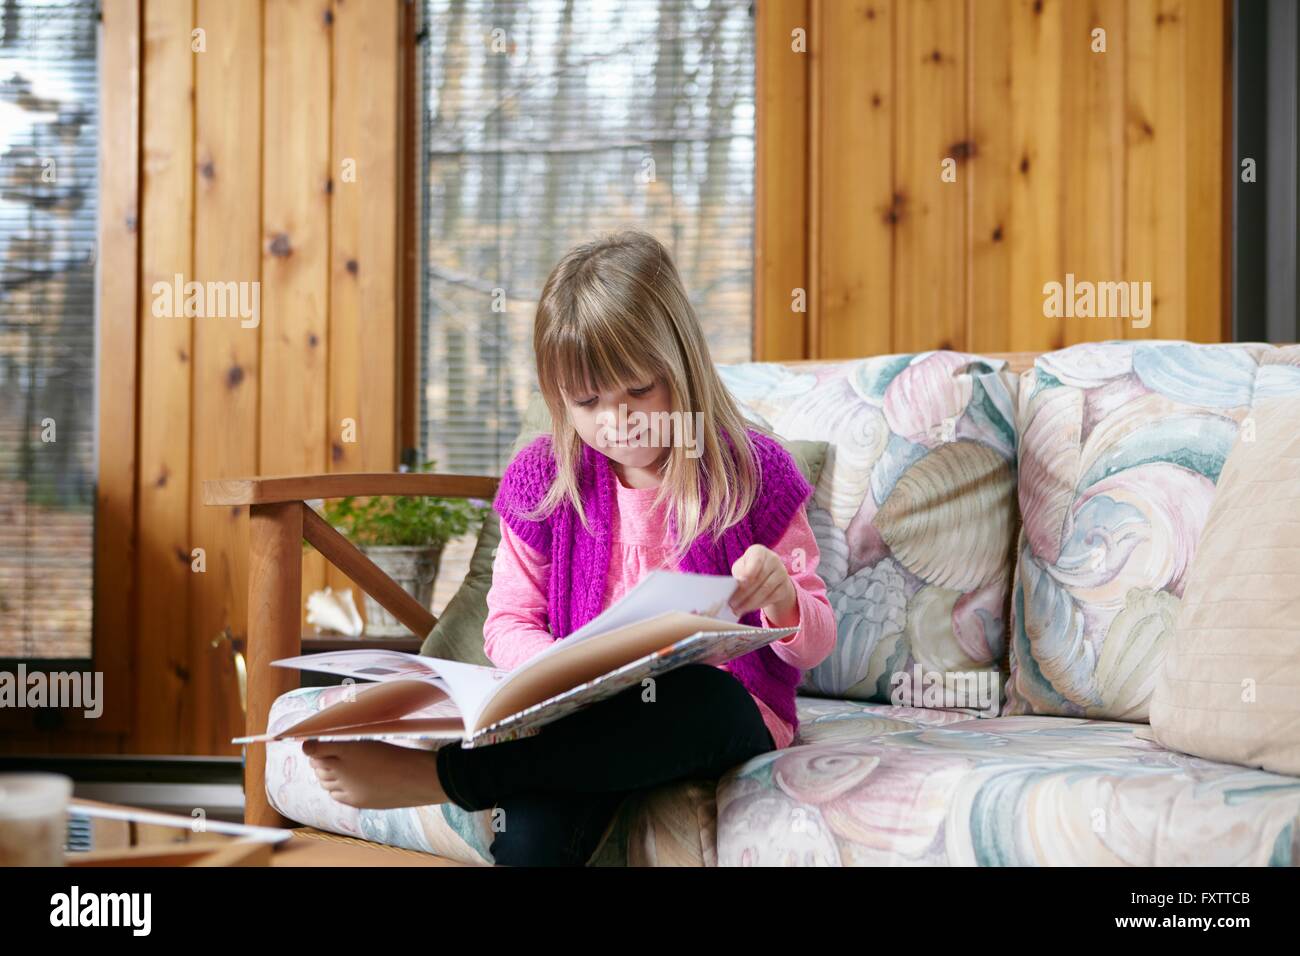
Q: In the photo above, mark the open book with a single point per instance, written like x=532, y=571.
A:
x=668, y=619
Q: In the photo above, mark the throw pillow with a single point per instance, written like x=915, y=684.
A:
x=1229, y=689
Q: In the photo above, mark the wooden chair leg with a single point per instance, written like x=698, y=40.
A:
x=274, y=631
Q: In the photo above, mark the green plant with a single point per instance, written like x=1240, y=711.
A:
x=403, y=520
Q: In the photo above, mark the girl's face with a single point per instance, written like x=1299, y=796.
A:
x=636, y=435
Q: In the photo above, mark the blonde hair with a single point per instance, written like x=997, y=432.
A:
x=612, y=312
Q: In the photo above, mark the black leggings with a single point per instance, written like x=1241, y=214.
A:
x=559, y=790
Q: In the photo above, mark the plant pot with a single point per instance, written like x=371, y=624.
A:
x=415, y=568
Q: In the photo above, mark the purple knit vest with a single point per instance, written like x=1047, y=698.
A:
x=580, y=558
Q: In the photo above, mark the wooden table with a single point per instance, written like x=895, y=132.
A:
x=129, y=843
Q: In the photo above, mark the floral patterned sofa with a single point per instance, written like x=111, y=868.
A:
x=1027, y=533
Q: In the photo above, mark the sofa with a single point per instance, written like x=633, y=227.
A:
x=1005, y=551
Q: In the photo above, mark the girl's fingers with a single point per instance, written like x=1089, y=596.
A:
x=760, y=594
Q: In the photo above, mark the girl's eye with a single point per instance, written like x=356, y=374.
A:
x=587, y=403
x=641, y=391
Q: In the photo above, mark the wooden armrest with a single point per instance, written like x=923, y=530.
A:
x=263, y=491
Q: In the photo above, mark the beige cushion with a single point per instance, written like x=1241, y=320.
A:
x=1229, y=688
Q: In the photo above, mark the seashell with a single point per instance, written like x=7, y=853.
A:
x=872, y=376
x=765, y=388
x=1049, y=466
x=991, y=414
x=857, y=434
x=977, y=622
x=870, y=610
x=949, y=517
x=1132, y=655
x=1152, y=428
x=833, y=563
x=1089, y=364
x=767, y=828
x=1054, y=629
x=1106, y=400
x=899, y=455
x=923, y=402
x=1136, y=529
x=1199, y=375
x=868, y=820
x=334, y=612
x=814, y=775
x=929, y=631
x=866, y=546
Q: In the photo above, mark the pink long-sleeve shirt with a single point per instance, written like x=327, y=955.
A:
x=516, y=626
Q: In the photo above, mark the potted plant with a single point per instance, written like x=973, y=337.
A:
x=404, y=536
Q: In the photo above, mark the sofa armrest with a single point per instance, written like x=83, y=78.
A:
x=275, y=489
x=279, y=520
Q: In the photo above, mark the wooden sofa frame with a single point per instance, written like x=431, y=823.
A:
x=279, y=520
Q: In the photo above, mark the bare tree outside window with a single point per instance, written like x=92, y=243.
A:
x=48, y=137
x=546, y=123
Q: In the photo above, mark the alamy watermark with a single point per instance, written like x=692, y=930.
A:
x=651, y=430
x=208, y=300
x=1098, y=300
x=975, y=690
x=78, y=690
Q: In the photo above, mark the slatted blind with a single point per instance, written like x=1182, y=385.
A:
x=545, y=124
x=48, y=138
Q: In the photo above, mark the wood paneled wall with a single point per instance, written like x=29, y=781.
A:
x=268, y=138
x=1108, y=165
x=274, y=155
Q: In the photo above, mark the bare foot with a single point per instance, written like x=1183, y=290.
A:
x=372, y=774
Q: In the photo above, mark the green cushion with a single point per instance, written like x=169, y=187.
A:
x=458, y=635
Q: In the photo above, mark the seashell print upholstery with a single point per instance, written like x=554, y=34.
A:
x=914, y=512
x=1120, y=452
x=1106, y=456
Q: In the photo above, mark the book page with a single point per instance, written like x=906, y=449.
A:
x=365, y=664
x=371, y=704
x=546, y=675
x=657, y=593
x=707, y=647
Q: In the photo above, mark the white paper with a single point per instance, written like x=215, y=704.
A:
x=662, y=591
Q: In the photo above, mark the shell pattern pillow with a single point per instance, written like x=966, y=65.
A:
x=914, y=513
x=1121, y=445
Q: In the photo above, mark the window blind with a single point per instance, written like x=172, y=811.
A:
x=545, y=124
x=48, y=139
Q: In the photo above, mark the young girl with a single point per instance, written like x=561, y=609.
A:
x=646, y=441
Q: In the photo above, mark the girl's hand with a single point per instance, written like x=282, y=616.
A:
x=765, y=584
x=373, y=774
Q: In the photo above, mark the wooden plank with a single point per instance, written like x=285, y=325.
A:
x=1092, y=157
x=1156, y=238
x=227, y=226
x=930, y=127
x=992, y=172
x=363, y=295
x=853, y=207
x=355, y=566
x=274, y=631
x=296, y=186
x=1034, y=234
x=1210, y=170
x=119, y=311
x=781, y=197
x=410, y=170
x=249, y=491
x=162, y=658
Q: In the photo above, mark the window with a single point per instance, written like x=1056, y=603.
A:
x=544, y=124
x=48, y=159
